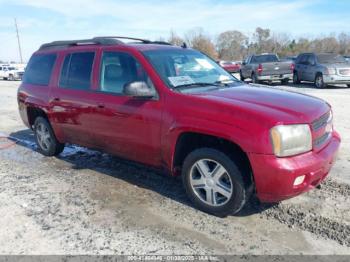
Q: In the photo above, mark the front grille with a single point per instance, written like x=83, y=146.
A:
x=322, y=129
x=344, y=72
x=322, y=139
x=321, y=122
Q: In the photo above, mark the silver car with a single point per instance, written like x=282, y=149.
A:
x=322, y=69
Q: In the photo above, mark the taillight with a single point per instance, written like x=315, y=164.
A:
x=260, y=69
x=292, y=67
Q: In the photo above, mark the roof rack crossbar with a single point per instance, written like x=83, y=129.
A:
x=94, y=41
x=122, y=37
x=100, y=40
x=144, y=41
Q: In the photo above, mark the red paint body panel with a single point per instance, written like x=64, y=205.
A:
x=147, y=130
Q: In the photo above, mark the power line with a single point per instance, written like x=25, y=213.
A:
x=19, y=42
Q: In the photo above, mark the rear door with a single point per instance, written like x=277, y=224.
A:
x=71, y=100
x=302, y=66
x=309, y=72
x=123, y=125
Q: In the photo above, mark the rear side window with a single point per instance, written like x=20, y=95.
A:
x=39, y=69
x=76, y=71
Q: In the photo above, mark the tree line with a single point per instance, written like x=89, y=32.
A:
x=235, y=45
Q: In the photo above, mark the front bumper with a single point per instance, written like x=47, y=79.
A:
x=336, y=79
x=274, y=77
x=274, y=177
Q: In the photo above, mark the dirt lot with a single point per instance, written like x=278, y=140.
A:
x=86, y=202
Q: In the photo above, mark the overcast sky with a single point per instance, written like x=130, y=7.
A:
x=47, y=20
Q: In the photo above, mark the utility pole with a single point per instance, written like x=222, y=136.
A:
x=19, y=42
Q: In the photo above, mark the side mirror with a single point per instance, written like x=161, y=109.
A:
x=139, y=89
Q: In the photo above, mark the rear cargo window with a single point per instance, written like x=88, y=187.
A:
x=39, y=69
x=76, y=71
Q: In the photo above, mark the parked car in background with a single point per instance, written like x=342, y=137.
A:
x=230, y=66
x=347, y=58
x=11, y=72
x=177, y=110
x=289, y=58
x=322, y=69
x=266, y=67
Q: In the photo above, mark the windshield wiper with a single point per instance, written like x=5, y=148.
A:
x=197, y=85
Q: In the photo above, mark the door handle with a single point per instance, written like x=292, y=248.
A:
x=57, y=99
x=100, y=106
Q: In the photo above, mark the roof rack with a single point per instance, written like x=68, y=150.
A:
x=143, y=41
x=100, y=40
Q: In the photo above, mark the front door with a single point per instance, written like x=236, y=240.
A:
x=123, y=125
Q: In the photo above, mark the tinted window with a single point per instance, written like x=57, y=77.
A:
x=119, y=69
x=311, y=60
x=76, y=70
x=264, y=59
x=39, y=69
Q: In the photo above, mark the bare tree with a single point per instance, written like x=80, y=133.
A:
x=174, y=39
x=197, y=39
x=230, y=45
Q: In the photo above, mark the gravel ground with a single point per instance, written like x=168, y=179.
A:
x=87, y=202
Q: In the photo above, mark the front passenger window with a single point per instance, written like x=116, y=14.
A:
x=119, y=69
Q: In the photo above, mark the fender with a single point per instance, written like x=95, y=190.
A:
x=245, y=139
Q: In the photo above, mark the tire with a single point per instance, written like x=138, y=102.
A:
x=46, y=140
x=241, y=76
x=296, y=79
x=319, y=83
x=348, y=85
x=285, y=81
x=205, y=192
x=255, y=79
x=11, y=78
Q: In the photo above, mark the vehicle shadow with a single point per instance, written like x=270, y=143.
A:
x=131, y=172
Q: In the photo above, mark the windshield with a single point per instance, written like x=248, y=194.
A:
x=12, y=68
x=264, y=59
x=330, y=58
x=187, y=68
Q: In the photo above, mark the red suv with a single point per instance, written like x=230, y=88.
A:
x=175, y=109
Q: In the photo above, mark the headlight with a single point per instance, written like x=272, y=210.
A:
x=331, y=71
x=289, y=140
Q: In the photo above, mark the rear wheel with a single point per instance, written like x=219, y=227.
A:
x=348, y=85
x=241, y=76
x=213, y=182
x=319, y=83
x=296, y=79
x=285, y=81
x=11, y=78
x=255, y=79
x=46, y=140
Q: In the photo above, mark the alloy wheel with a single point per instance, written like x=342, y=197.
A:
x=211, y=182
x=43, y=136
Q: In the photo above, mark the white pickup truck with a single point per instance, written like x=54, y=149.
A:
x=11, y=72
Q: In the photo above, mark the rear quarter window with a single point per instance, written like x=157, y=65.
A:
x=39, y=69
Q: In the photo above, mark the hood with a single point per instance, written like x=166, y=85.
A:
x=277, y=105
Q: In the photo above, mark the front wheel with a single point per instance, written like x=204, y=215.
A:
x=319, y=83
x=213, y=182
x=11, y=78
x=46, y=140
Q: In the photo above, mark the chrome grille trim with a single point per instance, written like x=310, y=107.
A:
x=322, y=139
x=321, y=122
